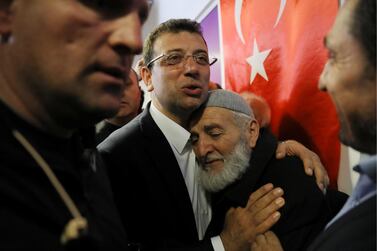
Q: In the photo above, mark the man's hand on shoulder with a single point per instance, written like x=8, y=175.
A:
x=312, y=163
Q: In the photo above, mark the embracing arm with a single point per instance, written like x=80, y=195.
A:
x=310, y=159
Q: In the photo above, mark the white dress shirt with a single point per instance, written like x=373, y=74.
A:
x=179, y=140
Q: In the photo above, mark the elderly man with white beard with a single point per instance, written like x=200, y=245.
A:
x=236, y=158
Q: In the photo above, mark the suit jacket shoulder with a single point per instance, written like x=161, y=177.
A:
x=356, y=230
x=148, y=186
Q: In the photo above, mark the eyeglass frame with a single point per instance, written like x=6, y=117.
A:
x=191, y=55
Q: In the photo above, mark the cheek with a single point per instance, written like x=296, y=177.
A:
x=195, y=148
x=207, y=74
x=225, y=146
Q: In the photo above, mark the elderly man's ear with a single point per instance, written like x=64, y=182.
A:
x=253, y=133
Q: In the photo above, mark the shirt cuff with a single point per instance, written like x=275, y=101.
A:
x=217, y=244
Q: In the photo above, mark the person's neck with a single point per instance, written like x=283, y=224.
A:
x=32, y=111
x=181, y=118
x=44, y=123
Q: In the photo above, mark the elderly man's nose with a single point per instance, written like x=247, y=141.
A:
x=204, y=148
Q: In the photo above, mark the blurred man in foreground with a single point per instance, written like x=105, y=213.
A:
x=62, y=67
x=349, y=77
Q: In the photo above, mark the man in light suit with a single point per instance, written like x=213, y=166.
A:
x=150, y=160
x=350, y=78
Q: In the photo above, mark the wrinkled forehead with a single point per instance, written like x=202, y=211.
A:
x=183, y=41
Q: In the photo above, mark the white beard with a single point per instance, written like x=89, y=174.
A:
x=235, y=165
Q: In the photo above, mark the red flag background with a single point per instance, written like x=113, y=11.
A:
x=284, y=39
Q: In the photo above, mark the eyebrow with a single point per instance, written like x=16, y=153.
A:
x=144, y=12
x=212, y=126
x=200, y=51
x=325, y=41
x=181, y=50
x=174, y=50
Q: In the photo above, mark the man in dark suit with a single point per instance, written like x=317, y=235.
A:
x=151, y=165
x=350, y=78
x=150, y=160
x=236, y=159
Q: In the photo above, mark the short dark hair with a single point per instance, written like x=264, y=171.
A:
x=363, y=28
x=170, y=26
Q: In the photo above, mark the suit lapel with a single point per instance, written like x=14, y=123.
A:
x=165, y=163
x=366, y=208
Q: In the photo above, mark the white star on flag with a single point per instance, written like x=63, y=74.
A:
x=256, y=62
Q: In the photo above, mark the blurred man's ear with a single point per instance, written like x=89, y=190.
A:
x=146, y=75
x=5, y=20
x=253, y=133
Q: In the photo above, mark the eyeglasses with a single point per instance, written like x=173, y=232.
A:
x=176, y=58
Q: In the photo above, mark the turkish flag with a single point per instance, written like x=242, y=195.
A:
x=275, y=49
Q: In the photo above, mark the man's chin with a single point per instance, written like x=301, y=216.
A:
x=227, y=171
x=214, y=167
x=192, y=103
x=212, y=179
x=97, y=113
x=367, y=146
x=108, y=108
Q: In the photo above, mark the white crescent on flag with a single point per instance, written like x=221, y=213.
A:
x=237, y=16
x=238, y=12
x=281, y=10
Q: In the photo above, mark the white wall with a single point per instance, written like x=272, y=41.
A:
x=163, y=10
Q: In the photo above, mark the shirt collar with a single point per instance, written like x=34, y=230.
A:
x=176, y=135
x=368, y=167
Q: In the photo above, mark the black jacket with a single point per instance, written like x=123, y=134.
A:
x=306, y=210
x=32, y=214
x=149, y=188
x=354, y=230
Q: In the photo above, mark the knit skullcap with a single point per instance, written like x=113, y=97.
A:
x=228, y=100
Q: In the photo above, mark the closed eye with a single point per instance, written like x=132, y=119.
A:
x=215, y=133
